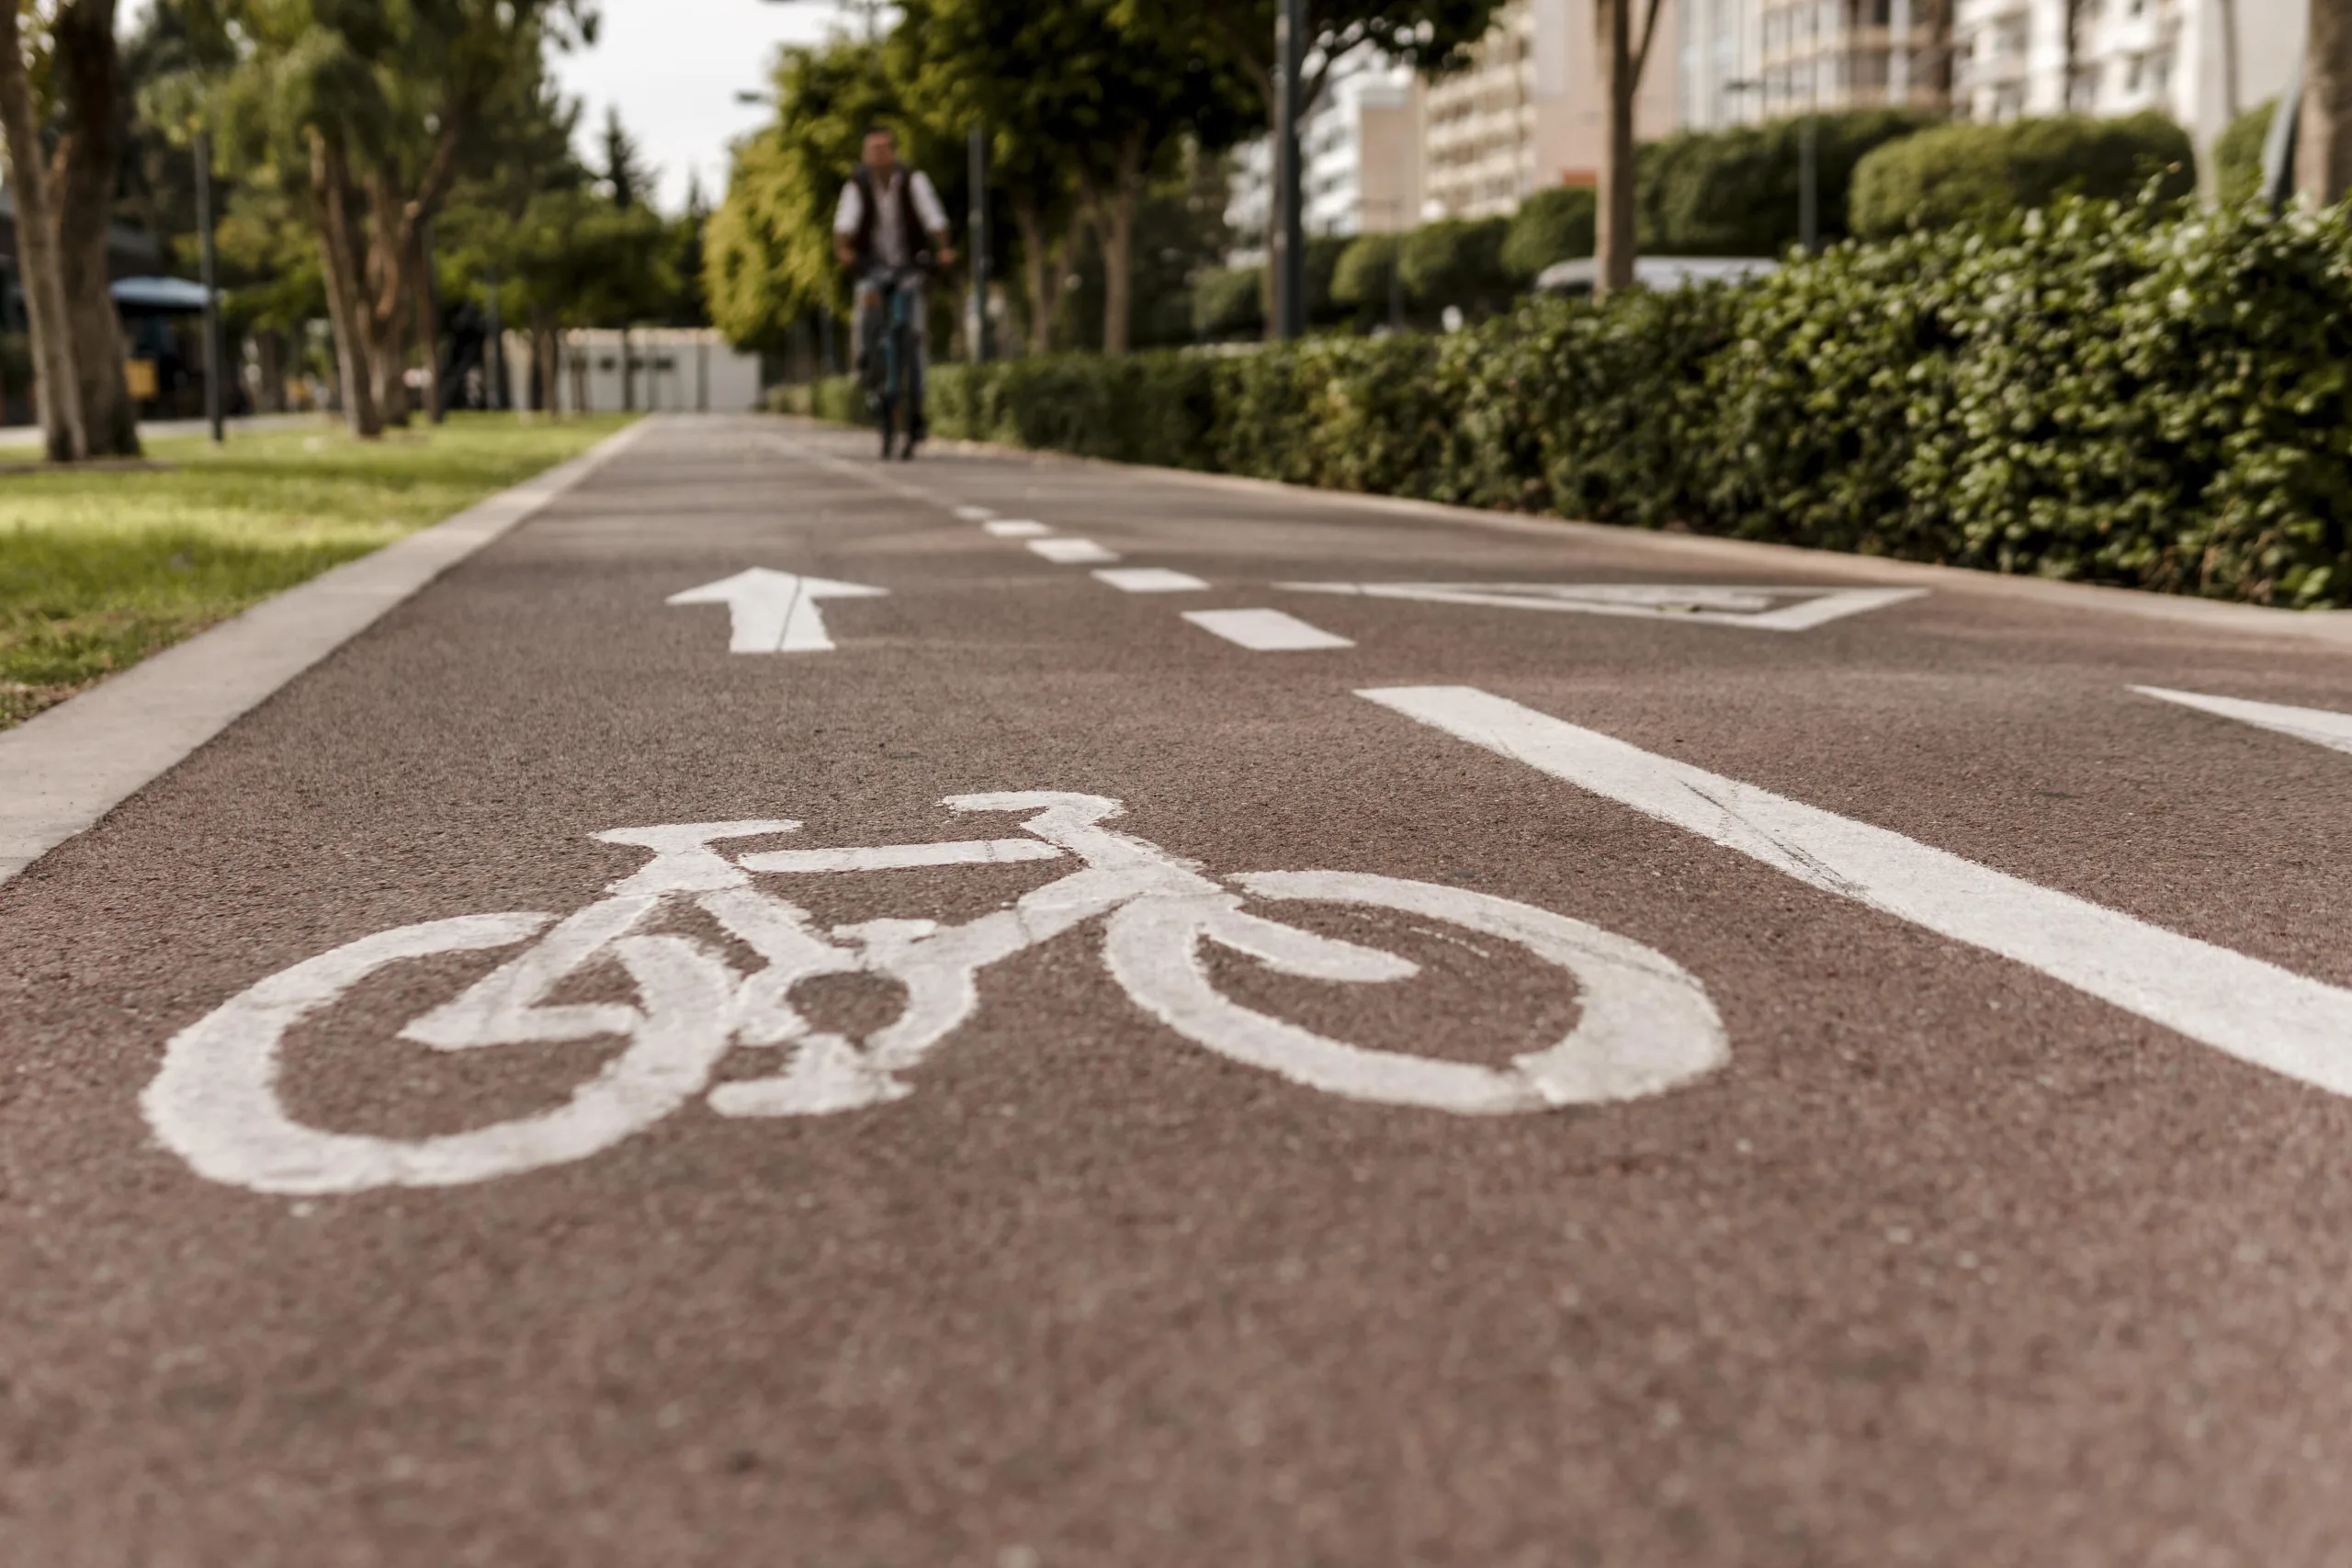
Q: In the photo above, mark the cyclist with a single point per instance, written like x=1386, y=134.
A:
x=886, y=209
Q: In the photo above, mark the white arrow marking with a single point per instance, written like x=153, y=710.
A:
x=2318, y=725
x=1716, y=606
x=775, y=612
x=2253, y=1010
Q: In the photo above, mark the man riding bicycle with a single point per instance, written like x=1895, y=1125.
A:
x=886, y=209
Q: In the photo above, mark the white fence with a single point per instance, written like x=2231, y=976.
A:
x=674, y=369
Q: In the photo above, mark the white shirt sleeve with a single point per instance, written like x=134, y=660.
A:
x=852, y=210
x=927, y=207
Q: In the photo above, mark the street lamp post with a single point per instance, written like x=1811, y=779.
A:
x=209, y=271
x=978, y=239
x=1290, y=219
x=1808, y=168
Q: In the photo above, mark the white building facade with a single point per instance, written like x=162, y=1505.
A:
x=2199, y=61
x=1359, y=156
x=1528, y=113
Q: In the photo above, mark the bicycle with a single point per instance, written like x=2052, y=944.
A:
x=894, y=371
x=1646, y=1024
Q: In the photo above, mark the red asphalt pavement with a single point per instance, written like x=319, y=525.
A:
x=2002, y=1219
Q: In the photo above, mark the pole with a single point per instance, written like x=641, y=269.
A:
x=208, y=270
x=1290, y=263
x=1809, y=184
x=978, y=239
x=2278, y=148
x=495, y=393
x=429, y=300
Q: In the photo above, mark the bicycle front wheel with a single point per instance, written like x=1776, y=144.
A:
x=1646, y=1024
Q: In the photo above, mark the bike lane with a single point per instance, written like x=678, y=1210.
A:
x=1948, y=1262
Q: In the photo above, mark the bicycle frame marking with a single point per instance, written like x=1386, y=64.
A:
x=1646, y=1025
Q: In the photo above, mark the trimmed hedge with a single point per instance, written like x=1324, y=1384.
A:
x=1988, y=174
x=1734, y=192
x=2237, y=153
x=2101, y=392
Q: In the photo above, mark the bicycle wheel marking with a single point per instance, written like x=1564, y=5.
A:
x=1645, y=1025
x=2253, y=1010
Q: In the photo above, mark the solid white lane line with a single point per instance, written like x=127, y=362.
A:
x=974, y=514
x=1265, y=631
x=1072, y=552
x=2256, y=1012
x=2319, y=725
x=1016, y=529
x=1150, y=579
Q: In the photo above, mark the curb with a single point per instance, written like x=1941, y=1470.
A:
x=2334, y=627
x=63, y=770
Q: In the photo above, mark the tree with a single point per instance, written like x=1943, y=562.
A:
x=625, y=178
x=2323, y=142
x=28, y=178
x=1090, y=101
x=386, y=101
x=1623, y=59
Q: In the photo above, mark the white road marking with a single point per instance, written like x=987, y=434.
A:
x=1072, y=552
x=775, y=612
x=1643, y=1024
x=2321, y=726
x=1016, y=529
x=2255, y=1011
x=1149, y=580
x=1717, y=606
x=974, y=514
x=1265, y=631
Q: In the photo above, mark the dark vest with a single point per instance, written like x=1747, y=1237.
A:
x=870, y=210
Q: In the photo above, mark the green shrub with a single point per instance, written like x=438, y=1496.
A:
x=2106, y=392
x=1734, y=192
x=1985, y=174
x=1366, y=269
x=1549, y=226
x=1230, y=301
x=2237, y=153
x=1456, y=261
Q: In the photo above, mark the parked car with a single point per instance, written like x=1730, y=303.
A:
x=1656, y=272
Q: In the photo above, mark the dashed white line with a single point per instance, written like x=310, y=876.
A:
x=1016, y=529
x=974, y=514
x=2253, y=1010
x=2319, y=725
x=1072, y=552
x=1265, y=631
x=1150, y=579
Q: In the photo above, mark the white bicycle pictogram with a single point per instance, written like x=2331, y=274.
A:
x=1644, y=1023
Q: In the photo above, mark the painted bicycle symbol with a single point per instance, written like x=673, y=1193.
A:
x=1643, y=1024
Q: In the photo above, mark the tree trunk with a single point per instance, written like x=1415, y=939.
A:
x=1613, y=236
x=1117, y=220
x=1034, y=269
x=56, y=384
x=89, y=67
x=628, y=375
x=338, y=260
x=2323, y=148
x=269, y=396
x=387, y=311
x=1936, y=59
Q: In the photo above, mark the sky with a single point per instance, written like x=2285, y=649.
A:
x=674, y=68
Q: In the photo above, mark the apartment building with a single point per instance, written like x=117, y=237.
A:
x=2199, y=61
x=1360, y=160
x=1744, y=60
x=1527, y=113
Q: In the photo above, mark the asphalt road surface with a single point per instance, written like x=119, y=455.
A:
x=1768, y=1072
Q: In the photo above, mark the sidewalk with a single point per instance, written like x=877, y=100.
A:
x=168, y=429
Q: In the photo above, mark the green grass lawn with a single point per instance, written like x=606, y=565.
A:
x=100, y=568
